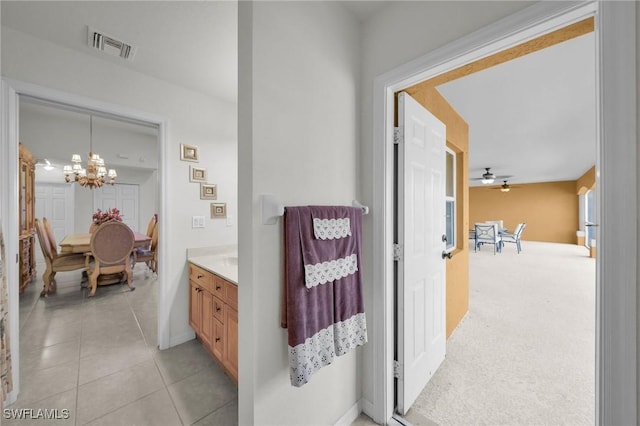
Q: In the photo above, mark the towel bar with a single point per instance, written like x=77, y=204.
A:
x=272, y=209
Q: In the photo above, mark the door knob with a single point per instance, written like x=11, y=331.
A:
x=446, y=255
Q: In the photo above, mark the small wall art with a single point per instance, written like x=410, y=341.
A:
x=197, y=174
x=218, y=210
x=188, y=152
x=208, y=191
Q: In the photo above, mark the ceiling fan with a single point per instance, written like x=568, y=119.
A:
x=46, y=164
x=505, y=187
x=488, y=177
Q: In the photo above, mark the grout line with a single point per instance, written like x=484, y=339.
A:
x=82, y=306
x=217, y=409
x=155, y=361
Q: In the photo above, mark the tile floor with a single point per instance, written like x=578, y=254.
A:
x=98, y=358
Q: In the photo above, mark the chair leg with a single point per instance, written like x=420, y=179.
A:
x=93, y=281
x=46, y=279
x=129, y=273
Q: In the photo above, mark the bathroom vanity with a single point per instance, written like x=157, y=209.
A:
x=213, y=305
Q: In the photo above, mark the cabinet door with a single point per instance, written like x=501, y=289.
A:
x=231, y=338
x=206, y=323
x=194, y=307
x=217, y=343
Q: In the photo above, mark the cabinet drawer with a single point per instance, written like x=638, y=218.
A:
x=200, y=276
x=232, y=295
x=218, y=309
x=219, y=289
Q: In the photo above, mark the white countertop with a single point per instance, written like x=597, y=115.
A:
x=223, y=264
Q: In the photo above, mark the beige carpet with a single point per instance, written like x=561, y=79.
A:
x=525, y=352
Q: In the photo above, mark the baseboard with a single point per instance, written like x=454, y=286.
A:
x=181, y=338
x=367, y=407
x=351, y=415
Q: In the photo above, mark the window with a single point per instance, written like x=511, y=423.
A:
x=450, y=199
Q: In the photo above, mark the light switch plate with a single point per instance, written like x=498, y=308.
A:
x=197, y=222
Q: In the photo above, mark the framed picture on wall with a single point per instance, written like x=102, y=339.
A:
x=197, y=174
x=188, y=152
x=218, y=210
x=208, y=191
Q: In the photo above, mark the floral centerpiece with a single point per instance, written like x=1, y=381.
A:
x=100, y=217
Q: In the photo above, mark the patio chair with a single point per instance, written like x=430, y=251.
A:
x=488, y=234
x=515, y=237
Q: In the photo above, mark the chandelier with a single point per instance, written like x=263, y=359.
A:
x=95, y=174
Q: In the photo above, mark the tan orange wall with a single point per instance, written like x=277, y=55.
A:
x=458, y=141
x=550, y=210
x=586, y=182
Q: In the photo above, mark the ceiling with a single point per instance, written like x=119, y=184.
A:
x=532, y=118
x=191, y=44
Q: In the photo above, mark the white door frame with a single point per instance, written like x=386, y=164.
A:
x=10, y=91
x=616, y=277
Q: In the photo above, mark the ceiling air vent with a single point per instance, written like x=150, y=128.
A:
x=108, y=44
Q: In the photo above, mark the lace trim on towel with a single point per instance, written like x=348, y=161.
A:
x=322, y=273
x=331, y=229
x=320, y=349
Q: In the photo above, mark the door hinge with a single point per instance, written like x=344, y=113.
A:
x=398, y=135
x=397, y=370
x=397, y=252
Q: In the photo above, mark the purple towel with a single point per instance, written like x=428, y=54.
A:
x=323, y=306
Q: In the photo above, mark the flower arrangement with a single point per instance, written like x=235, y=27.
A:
x=100, y=217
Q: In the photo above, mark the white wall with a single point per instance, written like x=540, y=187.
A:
x=385, y=46
x=192, y=118
x=298, y=118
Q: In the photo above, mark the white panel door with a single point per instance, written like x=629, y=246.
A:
x=55, y=202
x=421, y=340
x=124, y=197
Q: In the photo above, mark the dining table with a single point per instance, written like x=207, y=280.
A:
x=81, y=242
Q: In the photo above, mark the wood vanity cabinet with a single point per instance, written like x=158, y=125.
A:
x=213, y=314
x=27, y=239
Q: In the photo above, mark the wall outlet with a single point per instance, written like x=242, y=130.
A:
x=197, y=222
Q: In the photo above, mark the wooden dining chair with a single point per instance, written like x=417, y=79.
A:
x=111, y=250
x=152, y=225
x=55, y=262
x=149, y=255
x=50, y=234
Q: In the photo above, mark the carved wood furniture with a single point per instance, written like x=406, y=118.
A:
x=55, y=262
x=213, y=314
x=149, y=254
x=26, y=172
x=81, y=243
x=111, y=247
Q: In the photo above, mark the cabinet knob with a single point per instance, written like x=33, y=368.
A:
x=218, y=287
x=200, y=276
x=218, y=339
x=217, y=308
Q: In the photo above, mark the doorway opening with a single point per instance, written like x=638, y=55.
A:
x=540, y=20
x=12, y=93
